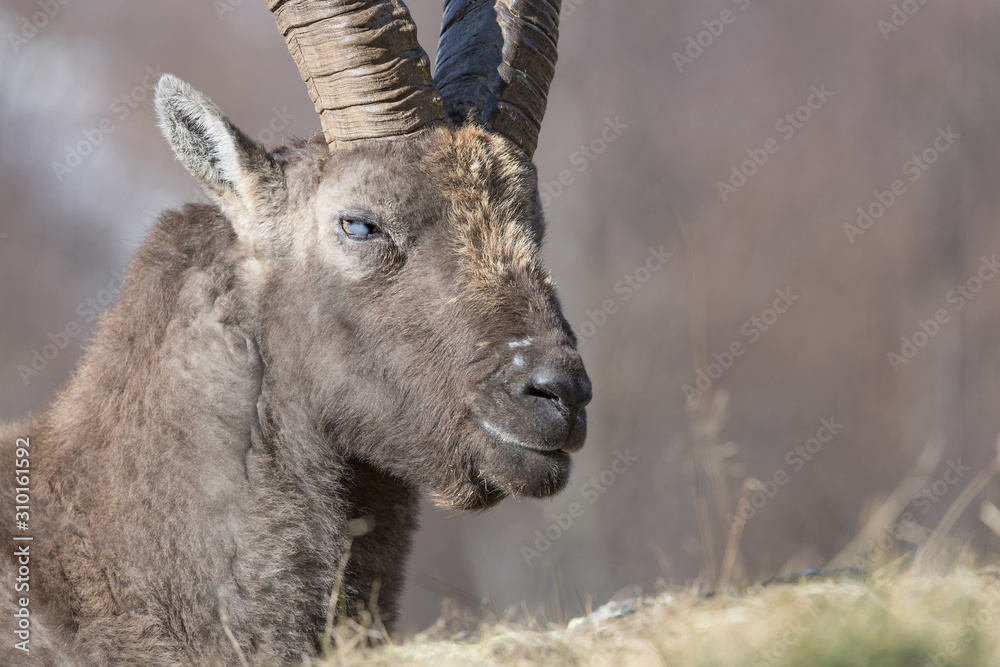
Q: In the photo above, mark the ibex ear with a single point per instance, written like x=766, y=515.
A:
x=233, y=169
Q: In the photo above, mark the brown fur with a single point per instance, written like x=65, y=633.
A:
x=264, y=380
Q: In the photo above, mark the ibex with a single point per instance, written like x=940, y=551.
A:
x=357, y=320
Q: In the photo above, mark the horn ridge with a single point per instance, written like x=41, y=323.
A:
x=496, y=61
x=365, y=71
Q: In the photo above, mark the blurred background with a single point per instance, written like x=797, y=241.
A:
x=825, y=178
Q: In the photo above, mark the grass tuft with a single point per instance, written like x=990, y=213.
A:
x=908, y=619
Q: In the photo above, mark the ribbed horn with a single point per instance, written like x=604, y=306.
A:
x=365, y=70
x=495, y=62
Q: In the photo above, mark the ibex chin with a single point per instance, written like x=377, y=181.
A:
x=355, y=321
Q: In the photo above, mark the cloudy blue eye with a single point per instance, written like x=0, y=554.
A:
x=358, y=228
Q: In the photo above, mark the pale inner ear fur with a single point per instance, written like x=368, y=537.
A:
x=199, y=134
x=229, y=165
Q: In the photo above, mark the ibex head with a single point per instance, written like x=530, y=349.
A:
x=391, y=272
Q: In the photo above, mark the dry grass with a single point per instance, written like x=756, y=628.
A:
x=910, y=620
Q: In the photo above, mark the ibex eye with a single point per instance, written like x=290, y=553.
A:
x=358, y=228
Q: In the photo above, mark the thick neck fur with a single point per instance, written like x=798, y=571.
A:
x=194, y=487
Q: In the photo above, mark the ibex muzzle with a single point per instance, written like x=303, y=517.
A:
x=536, y=401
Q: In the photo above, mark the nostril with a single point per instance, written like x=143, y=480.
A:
x=539, y=392
x=570, y=394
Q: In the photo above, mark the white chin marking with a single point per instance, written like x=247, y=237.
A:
x=514, y=344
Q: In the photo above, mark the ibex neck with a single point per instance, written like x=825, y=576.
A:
x=158, y=448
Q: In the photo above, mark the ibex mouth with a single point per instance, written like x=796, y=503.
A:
x=526, y=471
x=574, y=430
